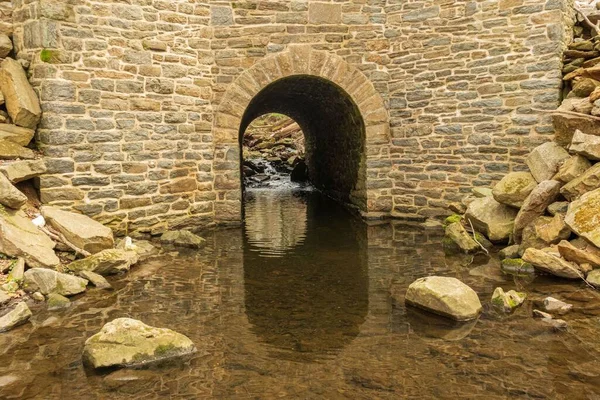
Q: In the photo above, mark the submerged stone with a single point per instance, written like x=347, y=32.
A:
x=57, y=302
x=517, y=266
x=457, y=239
x=17, y=316
x=48, y=281
x=552, y=264
x=507, y=301
x=126, y=342
x=183, y=238
x=106, y=262
x=553, y=305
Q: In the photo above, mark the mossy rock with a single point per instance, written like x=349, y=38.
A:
x=517, y=266
x=452, y=219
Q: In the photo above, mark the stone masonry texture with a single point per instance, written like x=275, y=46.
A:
x=143, y=100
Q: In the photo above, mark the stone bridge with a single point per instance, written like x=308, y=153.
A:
x=406, y=105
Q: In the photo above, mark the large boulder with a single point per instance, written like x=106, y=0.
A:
x=17, y=316
x=182, y=238
x=544, y=160
x=19, y=237
x=126, y=342
x=106, y=262
x=514, y=188
x=493, y=219
x=583, y=217
x=444, y=296
x=11, y=151
x=586, y=254
x=586, y=145
x=48, y=281
x=586, y=182
x=572, y=168
x=22, y=103
x=10, y=196
x=19, y=171
x=16, y=134
x=535, y=205
x=544, y=232
x=551, y=263
x=79, y=229
x=458, y=240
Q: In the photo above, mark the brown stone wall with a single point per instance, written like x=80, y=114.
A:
x=131, y=94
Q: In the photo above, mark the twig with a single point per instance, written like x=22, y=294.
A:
x=475, y=239
x=587, y=20
x=60, y=238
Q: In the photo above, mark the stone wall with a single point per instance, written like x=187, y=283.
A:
x=143, y=100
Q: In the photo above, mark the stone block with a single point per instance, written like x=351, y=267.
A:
x=585, y=145
x=544, y=160
x=324, y=13
x=16, y=134
x=21, y=101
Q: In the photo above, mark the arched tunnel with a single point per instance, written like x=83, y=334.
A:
x=333, y=128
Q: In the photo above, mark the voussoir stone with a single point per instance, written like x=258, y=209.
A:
x=79, y=229
x=16, y=134
x=22, y=103
x=19, y=237
x=106, y=262
x=572, y=168
x=514, y=188
x=10, y=196
x=552, y=264
x=126, y=342
x=583, y=217
x=535, y=205
x=493, y=219
x=586, y=145
x=445, y=296
x=19, y=171
x=48, y=281
x=544, y=160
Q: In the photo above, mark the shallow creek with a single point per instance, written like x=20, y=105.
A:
x=305, y=301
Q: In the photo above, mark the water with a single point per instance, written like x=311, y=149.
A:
x=306, y=302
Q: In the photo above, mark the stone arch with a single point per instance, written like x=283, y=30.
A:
x=296, y=61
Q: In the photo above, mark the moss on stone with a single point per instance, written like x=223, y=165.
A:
x=46, y=55
x=452, y=219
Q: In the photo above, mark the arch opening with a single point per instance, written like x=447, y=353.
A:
x=333, y=128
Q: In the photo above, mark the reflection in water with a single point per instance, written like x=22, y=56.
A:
x=311, y=301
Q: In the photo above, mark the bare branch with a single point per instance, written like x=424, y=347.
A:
x=589, y=23
x=60, y=238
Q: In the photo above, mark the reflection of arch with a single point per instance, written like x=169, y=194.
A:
x=298, y=60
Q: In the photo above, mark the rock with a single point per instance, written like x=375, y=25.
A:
x=6, y=45
x=37, y=296
x=10, y=196
x=558, y=207
x=556, y=324
x=17, y=271
x=544, y=160
x=509, y=252
x=584, y=87
x=48, y=281
x=586, y=145
x=566, y=124
x=17, y=316
x=106, y=262
x=20, y=238
x=593, y=278
x=494, y=219
x=584, y=45
x=583, y=106
x=545, y=231
x=300, y=172
x=445, y=296
x=143, y=248
x=553, y=305
x=572, y=168
x=552, y=264
x=535, y=205
x=508, y=301
x=579, y=256
x=514, y=188
x=97, y=280
x=126, y=342
x=480, y=192
x=22, y=103
x=541, y=314
x=4, y=297
x=23, y=170
x=587, y=182
x=182, y=238
x=583, y=217
x=457, y=239
x=13, y=151
x=516, y=266
x=16, y=134
x=57, y=302
x=79, y=229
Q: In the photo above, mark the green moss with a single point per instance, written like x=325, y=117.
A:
x=163, y=349
x=50, y=56
x=452, y=219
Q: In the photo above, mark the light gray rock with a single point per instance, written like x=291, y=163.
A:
x=182, y=238
x=588, y=181
x=583, y=217
x=16, y=134
x=126, y=342
x=22, y=103
x=535, y=205
x=10, y=196
x=556, y=324
x=586, y=145
x=556, y=306
x=507, y=301
x=445, y=296
x=48, y=281
x=19, y=171
x=17, y=316
x=572, y=168
x=480, y=192
x=457, y=239
x=493, y=219
x=106, y=262
x=57, y=302
x=552, y=264
x=79, y=229
x=541, y=314
x=20, y=238
x=544, y=160
x=96, y=279
x=514, y=188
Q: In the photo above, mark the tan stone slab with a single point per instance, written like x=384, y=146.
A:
x=16, y=134
x=22, y=103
